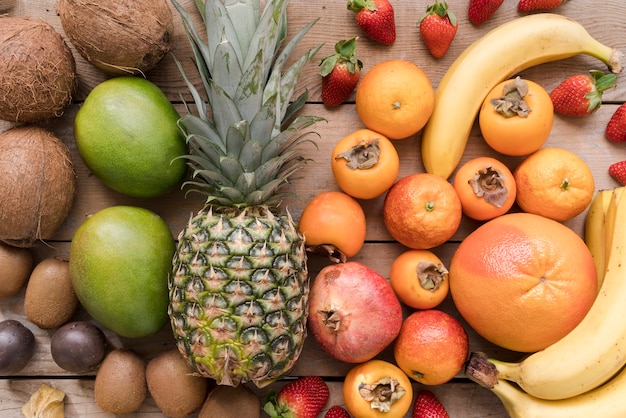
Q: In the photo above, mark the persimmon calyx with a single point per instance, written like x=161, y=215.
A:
x=328, y=250
x=362, y=156
x=382, y=394
x=431, y=275
x=512, y=102
x=488, y=183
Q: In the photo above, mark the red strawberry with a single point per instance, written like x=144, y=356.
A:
x=304, y=397
x=618, y=171
x=337, y=412
x=538, y=5
x=376, y=19
x=581, y=95
x=438, y=27
x=340, y=73
x=481, y=10
x=616, y=128
x=428, y=406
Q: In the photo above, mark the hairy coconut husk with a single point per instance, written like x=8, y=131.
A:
x=37, y=71
x=119, y=36
x=38, y=184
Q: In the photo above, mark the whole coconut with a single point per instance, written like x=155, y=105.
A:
x=37, y=71
x=38, y=184
x=119, y=36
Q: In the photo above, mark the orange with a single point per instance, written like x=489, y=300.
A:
x=395, y=98
x=432, y=347
x=555, y=183
x=419, y=278
x=523, y=281
x=516, y=134
x=422, y=211
x=486, y=188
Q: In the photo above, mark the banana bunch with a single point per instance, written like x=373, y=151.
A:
x=511, y=47
x=583, y=374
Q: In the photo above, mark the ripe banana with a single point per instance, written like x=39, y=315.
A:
x=609, y=222
x=606, y=401
x=595, y=230
x=506, y=50
x=595, y=350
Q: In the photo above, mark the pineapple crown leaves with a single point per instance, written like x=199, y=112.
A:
x=248, y=119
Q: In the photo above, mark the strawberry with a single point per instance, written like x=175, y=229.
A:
x=618, y=171
x=438, y=27
x=428, y=406
x=337, y=412
x=616, y=128
x=340, y=73
x=376, y=19
x=538, y=5
x=481, y=10
x=581, y=94
x=304, y=397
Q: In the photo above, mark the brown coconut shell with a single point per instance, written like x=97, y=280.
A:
x=38, y=184
x=120, y=37
x=37, y=71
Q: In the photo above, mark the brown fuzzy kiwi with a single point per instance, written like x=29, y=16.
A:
x=119, y=36
x=120, y=385
x=231, y=402
x=38, y=184
x=16, y=265
x=50, y=300
x=173, y=386
x=37, y=71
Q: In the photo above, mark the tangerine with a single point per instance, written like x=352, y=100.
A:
x=555, y=183
x=522, y=281
x=432, y=347
x=422, y=211
x=395, y=98
x=486, y=188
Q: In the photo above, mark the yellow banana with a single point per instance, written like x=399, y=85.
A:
x=595, y=349
x=506, y=50
x=609, y=220
x=606, y=401
x=595, y=230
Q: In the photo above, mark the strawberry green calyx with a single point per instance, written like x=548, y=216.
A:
x=440, y=9
x=344, y=54
x=602, y=82
x=358, y=5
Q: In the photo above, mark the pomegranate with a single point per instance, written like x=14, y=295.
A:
x=354, y=313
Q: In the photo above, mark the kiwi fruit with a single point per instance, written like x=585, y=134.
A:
x=16, y=265
x=173, y=386
x=120, y=385
x=231, y=402
x=50, y=300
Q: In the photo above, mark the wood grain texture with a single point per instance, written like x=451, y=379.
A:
x=462, y=398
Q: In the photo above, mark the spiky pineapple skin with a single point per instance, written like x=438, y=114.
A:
x=239, y=294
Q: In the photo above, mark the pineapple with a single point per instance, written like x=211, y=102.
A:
x=239, y=286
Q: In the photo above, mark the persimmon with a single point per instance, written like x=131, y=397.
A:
x=523, y=281
x=516, y=117
x=365, y=164
x=419, y=278
x=395, y=98
x=486, y=188
x=333, y=223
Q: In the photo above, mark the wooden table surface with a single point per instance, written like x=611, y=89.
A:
x=462, y=398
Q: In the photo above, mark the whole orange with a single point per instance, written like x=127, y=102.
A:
x=522, y=281
x=422, y=211
x=395, y=98
x=554, y=182
x=432, y=347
